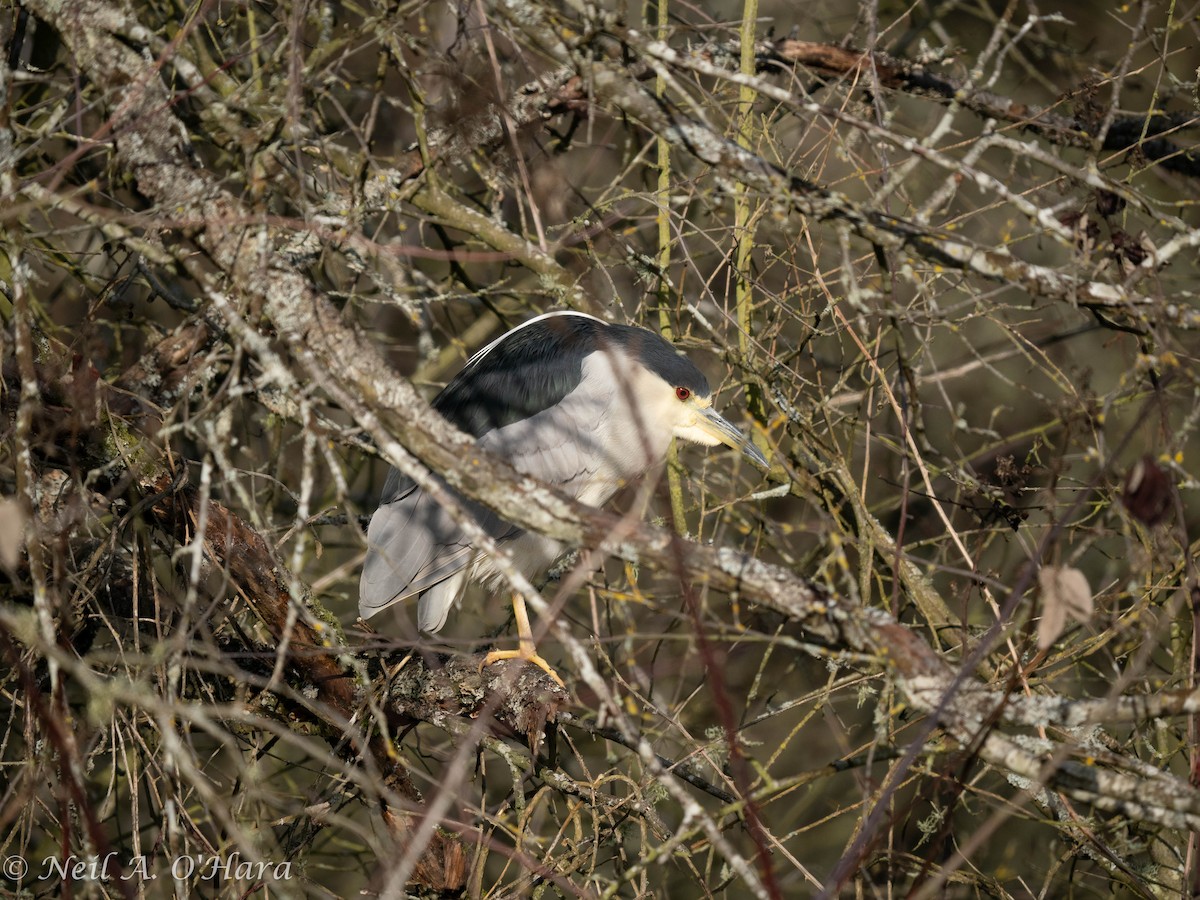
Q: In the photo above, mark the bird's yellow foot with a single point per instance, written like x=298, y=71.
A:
x=529, y=654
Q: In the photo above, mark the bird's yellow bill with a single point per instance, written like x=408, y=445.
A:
x=720, y=429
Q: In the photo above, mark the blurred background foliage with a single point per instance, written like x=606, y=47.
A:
x=435, y=175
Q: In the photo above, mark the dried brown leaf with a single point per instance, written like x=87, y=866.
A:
x=12, y=532
x=1065, y=592
x=1148, y=491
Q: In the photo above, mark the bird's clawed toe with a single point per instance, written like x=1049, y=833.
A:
x=529, y=655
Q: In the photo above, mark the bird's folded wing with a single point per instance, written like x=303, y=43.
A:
x=562, y=446
x=414, y=544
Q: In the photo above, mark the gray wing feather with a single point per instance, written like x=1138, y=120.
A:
x=411, y=545
x=561, y=445
x=415, y=546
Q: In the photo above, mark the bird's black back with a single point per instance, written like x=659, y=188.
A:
x=535, y=366
x=528, y=370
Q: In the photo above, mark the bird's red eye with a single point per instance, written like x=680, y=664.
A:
x=682, y=393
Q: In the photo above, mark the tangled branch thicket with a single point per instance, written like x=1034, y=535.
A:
x=944, y=255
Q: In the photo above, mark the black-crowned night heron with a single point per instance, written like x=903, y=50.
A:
x=575, y=402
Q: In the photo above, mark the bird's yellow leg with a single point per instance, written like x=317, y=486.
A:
x=525, y=647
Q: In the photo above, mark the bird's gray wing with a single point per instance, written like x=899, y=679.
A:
x=562, y=445
x=411, y=545
x=414, y=544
